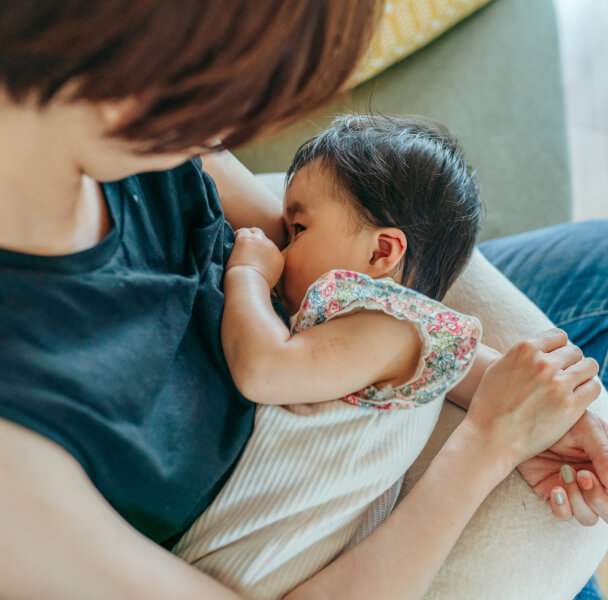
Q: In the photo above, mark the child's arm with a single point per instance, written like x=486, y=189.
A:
x=321, y=363
x=462, y=393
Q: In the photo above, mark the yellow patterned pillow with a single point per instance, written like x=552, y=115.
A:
x=407, y=25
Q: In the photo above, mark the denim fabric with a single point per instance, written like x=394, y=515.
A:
x=591, y=591
x=564, y=271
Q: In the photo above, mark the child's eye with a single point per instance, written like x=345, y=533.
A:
x=297, y=228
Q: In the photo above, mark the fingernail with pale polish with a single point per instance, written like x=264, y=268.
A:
x=558, y=498
x=567, y=474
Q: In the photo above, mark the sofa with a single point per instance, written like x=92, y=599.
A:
x=495, y=80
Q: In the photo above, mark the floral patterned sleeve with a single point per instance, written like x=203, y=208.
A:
x=449, y=338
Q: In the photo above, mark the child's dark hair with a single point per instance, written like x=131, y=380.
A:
x=405, y=172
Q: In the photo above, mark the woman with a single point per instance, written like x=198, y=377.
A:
x=114, y=395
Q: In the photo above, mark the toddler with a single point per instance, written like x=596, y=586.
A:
x=382, y=214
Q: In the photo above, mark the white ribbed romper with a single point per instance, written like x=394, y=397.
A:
x=315, y=478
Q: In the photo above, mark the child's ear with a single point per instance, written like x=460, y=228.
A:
x=389, y=247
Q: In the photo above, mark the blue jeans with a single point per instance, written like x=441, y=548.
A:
x=564, y=271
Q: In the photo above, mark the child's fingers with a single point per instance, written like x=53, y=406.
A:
x=560, y=506
x=250, y=231
x=578, y=503
x=257, y=232
x=243, y=233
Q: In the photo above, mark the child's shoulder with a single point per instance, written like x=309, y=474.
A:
x=449, y=339
x=339, y=292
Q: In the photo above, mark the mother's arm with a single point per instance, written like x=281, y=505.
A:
x=61, y=540
x=508, y=316
x=246, y=200
x=513, y=533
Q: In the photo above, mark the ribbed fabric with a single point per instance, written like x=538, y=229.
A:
x=316, y=478
x=302, y=491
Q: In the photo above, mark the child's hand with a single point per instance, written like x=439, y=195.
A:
x=254, y=250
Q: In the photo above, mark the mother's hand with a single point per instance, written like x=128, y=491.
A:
x=528, y=399
x=584, y=448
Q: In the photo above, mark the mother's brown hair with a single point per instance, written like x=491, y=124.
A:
x=197, y=67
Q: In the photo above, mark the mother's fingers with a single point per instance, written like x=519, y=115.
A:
x=590, y=436
x=586, y=393
x=581, y=496
x=566, y=356
x=594, y=493
x=560, y=505
x=550, y=340
x=582, y=372
x=587, y=367
x=584, y=514
x=568, y=500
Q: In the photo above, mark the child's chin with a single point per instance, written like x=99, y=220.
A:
x=291, y=307
x=278, y=292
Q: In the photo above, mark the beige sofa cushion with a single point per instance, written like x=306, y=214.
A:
x=513, y=547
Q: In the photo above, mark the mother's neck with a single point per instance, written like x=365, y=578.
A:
x=47, y=205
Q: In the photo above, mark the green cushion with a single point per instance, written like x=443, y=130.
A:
x=495, y=81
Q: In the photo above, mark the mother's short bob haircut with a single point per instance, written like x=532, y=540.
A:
x=199, y=68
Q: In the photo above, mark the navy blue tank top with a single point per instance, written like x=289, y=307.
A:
x=114, y=353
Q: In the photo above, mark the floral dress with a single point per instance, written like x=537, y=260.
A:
x=316, y=478
x=449, y=339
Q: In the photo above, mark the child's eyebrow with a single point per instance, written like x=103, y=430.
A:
x=295, y=208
